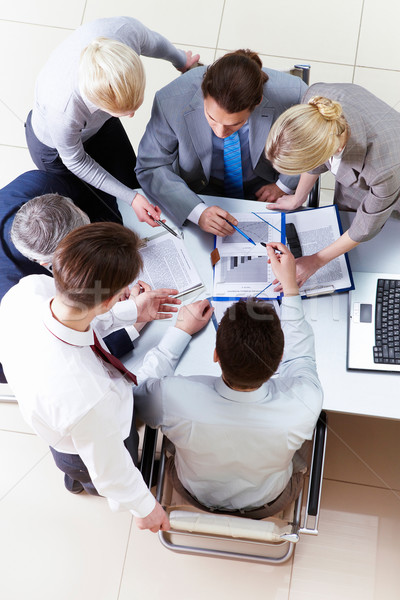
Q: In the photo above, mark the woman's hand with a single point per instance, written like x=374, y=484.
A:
x=285, y=202
x=145, y=212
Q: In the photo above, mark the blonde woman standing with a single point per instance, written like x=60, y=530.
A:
x=344, y=129
x=94, y=77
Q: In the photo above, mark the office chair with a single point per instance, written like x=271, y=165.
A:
x=269, y=541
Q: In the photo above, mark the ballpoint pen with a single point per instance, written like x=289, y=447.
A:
x=167, y=228
x=241, y=232
x=275, y=250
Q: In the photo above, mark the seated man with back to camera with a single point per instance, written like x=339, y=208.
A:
x=236, y=436
x=75, y=395
x=207, y=135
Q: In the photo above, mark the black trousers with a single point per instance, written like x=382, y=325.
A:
x=76, y=473
x=110, y=148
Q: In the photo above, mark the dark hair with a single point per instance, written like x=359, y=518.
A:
x=235, y=81
x=94, y=262
x=249, y=343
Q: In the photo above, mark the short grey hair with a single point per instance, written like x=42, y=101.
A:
x=42, y=223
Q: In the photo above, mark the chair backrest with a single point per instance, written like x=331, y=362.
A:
x=268, y=541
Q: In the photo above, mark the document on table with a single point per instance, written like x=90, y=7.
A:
x=243, y=268
x=167, y=264
x=316, y=229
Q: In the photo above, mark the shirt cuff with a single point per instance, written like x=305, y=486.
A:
x=126, y=310
x=291, y=308
x=284, y=187
x=132, y=332
x=144, y=508
x=195, y=214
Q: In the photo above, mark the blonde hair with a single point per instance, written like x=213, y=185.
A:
x=111, y=75
x=305, y=136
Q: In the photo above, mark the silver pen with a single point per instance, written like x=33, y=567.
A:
x=167, y=228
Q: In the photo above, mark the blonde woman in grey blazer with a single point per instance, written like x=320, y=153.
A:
x=181, y=152
x=343, y=128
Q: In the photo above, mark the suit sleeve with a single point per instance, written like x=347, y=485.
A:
x=157, y=167
x=377, y=206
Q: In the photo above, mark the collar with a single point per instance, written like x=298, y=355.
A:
x=353, y=157
x=236, y=396
x=63, y=333
x=90, y=106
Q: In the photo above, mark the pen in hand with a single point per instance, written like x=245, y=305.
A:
x=241, y=232
x=167, y=228
x=266, y=245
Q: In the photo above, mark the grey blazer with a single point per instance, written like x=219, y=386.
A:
x=368, y=179
x=175, y=153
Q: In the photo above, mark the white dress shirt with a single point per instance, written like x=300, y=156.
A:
x=234, y=449
x=72, y=399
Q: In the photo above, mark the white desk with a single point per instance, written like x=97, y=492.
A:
x=365, y=393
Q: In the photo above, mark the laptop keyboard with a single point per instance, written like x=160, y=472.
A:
x=387, y=326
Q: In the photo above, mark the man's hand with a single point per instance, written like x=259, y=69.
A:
x=156, y=520
x=145, y=211
x=285, y=202
x=213, y=220
x=193, y=317
x=284, y=267
x=155, y=304
x=269, y=193
x=190, y=61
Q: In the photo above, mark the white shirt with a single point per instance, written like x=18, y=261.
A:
x=234, y=449
x=73, y=400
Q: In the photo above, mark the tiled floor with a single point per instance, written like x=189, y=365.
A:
x=54, y=545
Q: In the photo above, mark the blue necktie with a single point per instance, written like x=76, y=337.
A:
x=233, y=178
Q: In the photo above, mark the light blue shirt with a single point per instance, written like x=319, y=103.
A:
x=234, y=449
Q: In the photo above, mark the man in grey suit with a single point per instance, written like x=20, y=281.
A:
x=181, y=153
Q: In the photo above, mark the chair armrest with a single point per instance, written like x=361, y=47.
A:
x=148, y=454
x=316, y=475
x=313, y=196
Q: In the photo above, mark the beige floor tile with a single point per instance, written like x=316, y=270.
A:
x=362, y=450
x=13, y=161
x=183, y=577
x=29, y=46
x=19, y=453
x=56, y=545
x=180, y=22
x=11, y=419
x=325, y=197
x=378, y=45
x=382, y=83
x=44, y=12
x=287, y=29
x=320, y=71
x=356, y=553
x=328, y=181
x=158, y=74
x=12, y=126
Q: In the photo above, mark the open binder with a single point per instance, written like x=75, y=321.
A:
x=243, y=271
